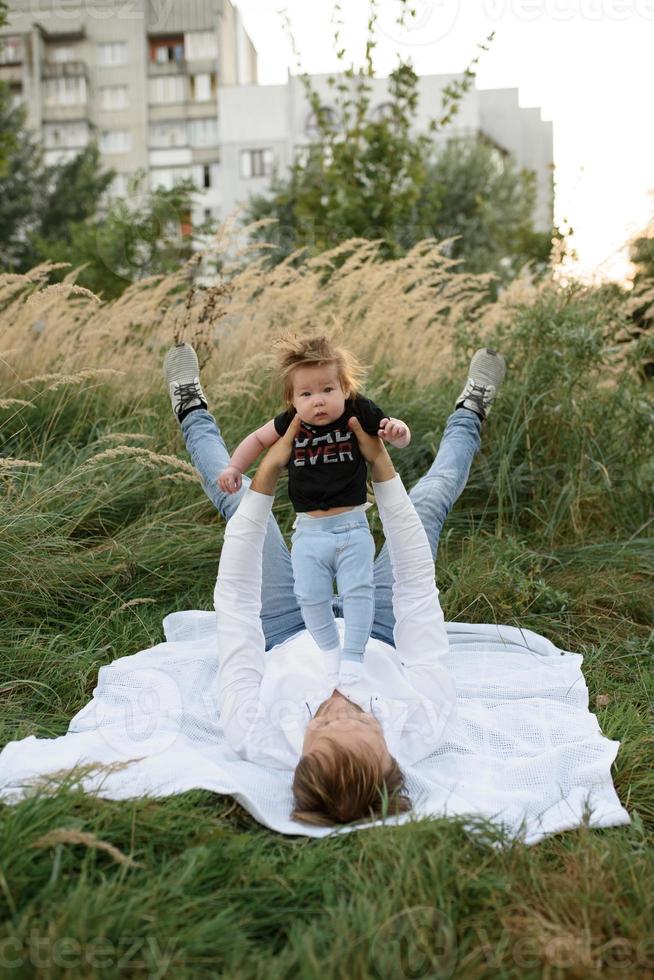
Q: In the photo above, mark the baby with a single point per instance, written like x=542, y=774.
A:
x=327, y=487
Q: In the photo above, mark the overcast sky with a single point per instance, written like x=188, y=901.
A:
x=586, y=63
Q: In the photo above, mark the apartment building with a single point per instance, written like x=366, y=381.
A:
x=141, y=76
x=268, y=127
x=169, y=87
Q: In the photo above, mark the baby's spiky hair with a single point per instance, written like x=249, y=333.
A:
x=295, y=351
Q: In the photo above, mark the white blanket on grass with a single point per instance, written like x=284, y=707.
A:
x=523, y=750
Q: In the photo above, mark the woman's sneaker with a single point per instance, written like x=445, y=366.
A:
x=182, y=375
x=485, y=375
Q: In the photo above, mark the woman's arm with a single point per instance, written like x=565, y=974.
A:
x=237, y=598
x=419, y=632
x=245, y=454
x=420, y=636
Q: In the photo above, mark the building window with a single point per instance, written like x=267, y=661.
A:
x=167, y=50
x=65, y=136
x=201, y=46
x=203, y=87
x=64, y=91
x=163, y=135
x=205, y=176
x=112, y=53
x=113, y=97
x=168, y=177
x=328, y=118
x=203, y=132
x=256, y=163
x=167, y=89
x=116, y=141
x=11, y=51
x=60, y=55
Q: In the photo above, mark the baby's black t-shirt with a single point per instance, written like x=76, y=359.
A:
x=326, y=468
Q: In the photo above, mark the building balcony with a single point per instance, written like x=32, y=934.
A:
x=156, y=68
x=11, y=74
x=64, y=69
x=64, y=113
x=12, y=50
x=206, y=154
x=203, y=66
x=173, y=111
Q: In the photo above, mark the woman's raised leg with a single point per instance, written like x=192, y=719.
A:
x=437, y=491
x=280, y=613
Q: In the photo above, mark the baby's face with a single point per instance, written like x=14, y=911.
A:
x=317, y=394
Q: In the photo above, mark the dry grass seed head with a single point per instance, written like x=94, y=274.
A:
x=402, y=313
x=145, y=457
x=6, y=463
x=65, y=836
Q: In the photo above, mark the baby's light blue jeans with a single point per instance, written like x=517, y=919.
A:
x=337, y=547
x=433, y=496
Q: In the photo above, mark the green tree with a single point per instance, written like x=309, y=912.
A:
x=473, y=191
x=39, y=204
x=363, y=174
x=61, y=213
x=641, y=253
x=640, y=335
x=134, y=238
x=74, y=191
x=22, y=186
x=7, y=136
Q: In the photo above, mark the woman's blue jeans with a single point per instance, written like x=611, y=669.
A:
x=433, y=497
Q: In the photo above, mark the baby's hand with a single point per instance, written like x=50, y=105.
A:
x=393, y=431
x=230, y=480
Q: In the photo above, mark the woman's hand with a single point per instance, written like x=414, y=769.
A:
x=374, y=452
x=230, y=480
x=277, y=457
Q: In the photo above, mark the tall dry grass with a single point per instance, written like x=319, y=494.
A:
x=104, y=530
x=402, y=313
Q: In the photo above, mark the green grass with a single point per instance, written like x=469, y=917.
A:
x=553, y=533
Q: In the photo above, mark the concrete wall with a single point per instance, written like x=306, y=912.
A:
x=251, y=117
x=276, y=116
x=523, y=133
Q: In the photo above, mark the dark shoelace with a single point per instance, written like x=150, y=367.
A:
x=187, y=393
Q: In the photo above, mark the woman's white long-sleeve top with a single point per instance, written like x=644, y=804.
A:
x=266, y=699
